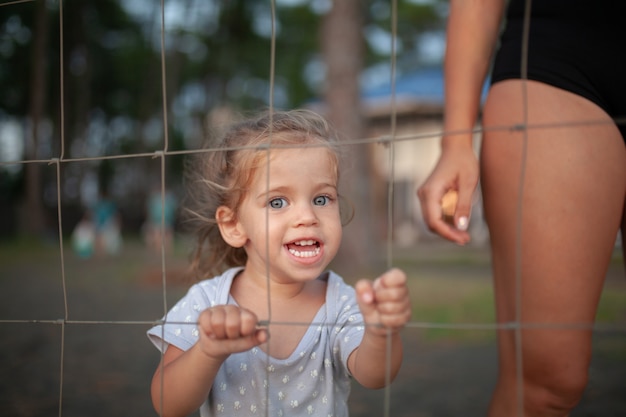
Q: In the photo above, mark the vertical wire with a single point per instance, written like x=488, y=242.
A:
x=62, y=364
x=391, y=142
x=164, y=78
x=390, y=196
x=163, y=274
x=59, y=210
x=520, y=207
x=162, y=155
x=61, y=81
x=272, y=57
x=63, y=284
x=267, y=164
x=272, y=71
x=162, y=226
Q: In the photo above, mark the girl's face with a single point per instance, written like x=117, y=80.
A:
x=290, y=215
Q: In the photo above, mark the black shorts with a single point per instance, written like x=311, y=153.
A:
x=576, y=45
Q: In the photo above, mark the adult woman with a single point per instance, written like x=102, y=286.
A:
x=553, y=177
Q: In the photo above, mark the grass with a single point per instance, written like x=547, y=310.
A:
x=440, y=304
x=612, y=308
x=457, y=290
x=470, y=303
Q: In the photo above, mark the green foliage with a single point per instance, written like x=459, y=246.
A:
x=216, y=54
x=16, y=33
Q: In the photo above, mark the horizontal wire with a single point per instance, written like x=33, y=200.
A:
x=382, y=139
x=611, y=327
x=16, y=2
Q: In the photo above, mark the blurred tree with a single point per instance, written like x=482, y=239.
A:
x=216, y=54
x=102, y=48
x=343, y=49
x=34, y=214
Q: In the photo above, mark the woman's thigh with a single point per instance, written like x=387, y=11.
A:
x=554, y=179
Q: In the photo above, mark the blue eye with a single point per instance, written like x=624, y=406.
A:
x=277, y=203
x=321, y=200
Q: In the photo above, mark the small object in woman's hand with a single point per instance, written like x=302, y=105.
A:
x=448, y=206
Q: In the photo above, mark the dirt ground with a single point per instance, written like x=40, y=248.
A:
x=107, y=361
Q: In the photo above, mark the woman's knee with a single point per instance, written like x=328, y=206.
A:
x=554, y=390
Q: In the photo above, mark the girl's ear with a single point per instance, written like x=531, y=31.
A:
x=231, y=230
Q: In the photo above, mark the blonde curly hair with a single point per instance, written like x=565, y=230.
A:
x=220, y=174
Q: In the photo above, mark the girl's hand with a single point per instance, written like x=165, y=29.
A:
x=457, y=170
x=228, y=329
x=385, y=301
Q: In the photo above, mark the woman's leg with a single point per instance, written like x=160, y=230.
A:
x=571, y=204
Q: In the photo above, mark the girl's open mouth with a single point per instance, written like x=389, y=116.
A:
x=307, y=248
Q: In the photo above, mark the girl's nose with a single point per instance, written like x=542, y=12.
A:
x=306, y=215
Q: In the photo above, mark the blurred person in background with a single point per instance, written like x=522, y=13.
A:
x=158, y=228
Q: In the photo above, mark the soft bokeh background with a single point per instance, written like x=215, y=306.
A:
x=103, y=100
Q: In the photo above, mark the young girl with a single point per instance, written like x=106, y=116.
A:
x=275, y=334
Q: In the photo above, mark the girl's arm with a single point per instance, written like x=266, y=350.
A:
x=386, y=308
x=472, y=30
x=182, y=381
x=372, y=364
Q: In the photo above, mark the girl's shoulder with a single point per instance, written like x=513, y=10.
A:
x=215, y=288
x=340, y=296
x=337, y=285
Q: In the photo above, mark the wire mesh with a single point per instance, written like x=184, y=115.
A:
x=390, y=140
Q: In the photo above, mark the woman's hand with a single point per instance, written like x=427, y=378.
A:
x=457, y=170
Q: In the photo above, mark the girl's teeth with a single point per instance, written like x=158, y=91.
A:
x=305, y=254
